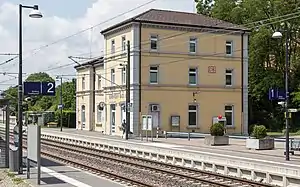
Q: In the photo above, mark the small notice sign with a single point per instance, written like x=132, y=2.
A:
x=212, y=69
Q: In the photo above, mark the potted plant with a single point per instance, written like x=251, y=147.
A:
x=217, y=136
x=259, y=139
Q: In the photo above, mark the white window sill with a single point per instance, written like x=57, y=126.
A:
x=230, y=127
x=153, y=50
x=153, y=83
x=192, y=84
x=228, y=85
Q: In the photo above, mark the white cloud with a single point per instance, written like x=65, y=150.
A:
x=40, y=32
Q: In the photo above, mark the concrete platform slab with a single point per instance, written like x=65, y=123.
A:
x=58, y=175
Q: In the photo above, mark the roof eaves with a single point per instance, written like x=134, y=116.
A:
x=90, y=63
x=124, y=22
x=195, y=26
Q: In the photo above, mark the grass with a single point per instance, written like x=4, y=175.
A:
x=16, y=180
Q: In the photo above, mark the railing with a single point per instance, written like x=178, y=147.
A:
x=191, y=135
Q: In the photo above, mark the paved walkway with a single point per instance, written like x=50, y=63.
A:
x=58, y=175
x=236, y=148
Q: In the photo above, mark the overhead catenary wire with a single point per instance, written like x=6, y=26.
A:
x=212, y=36
x=261, y=21
x=37, y=49
x=9, y=60
x=256, y=22
x=167, y=36
x=34, y=51
x=219, y=35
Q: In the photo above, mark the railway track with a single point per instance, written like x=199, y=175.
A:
x=191, y=177
x=90, y=168
x=188, y=174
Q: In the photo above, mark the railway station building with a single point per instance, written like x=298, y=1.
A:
x=186, y=70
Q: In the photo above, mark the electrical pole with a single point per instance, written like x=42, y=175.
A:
x=287, y=138
x=127, y=107
x=20, y=95
x=61, y=103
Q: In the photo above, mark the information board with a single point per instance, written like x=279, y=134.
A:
x=39, y=88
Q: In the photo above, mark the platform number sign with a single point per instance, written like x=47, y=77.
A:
x=48, y=88
x=39, y=88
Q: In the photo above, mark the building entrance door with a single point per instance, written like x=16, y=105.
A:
x=112, y=118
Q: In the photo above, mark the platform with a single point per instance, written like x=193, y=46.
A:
x=237, y=147
x=234, y=159
x=57, y=175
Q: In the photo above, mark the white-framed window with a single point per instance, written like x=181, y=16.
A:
x=123, y=75
x=228, y=77
x=99, y=82
x=193, y=45
x=229, y=111
x=112, y=74
x=153, y=74
x=193, y=76
x=99, y=113
x=113, y=46
x=193, y=113
x=123, y=43
x=229, y=48
x=153, y=42
x=83, y=83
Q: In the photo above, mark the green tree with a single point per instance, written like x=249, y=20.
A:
x=266, y=55
x=68, y=95
x=204, y=7
x=12, y=94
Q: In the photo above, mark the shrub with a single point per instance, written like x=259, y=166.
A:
x=259, y=131
x=217, y=129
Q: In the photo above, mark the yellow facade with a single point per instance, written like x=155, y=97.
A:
x=177, y=72
x=174, y=94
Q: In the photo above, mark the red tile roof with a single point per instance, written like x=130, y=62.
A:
x=179, y=18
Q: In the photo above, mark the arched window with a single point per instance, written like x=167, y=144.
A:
x=83, y=114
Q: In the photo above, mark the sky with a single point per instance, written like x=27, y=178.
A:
x=48, y=42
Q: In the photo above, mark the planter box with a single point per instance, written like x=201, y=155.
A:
x=216, y=140
x=260, y=144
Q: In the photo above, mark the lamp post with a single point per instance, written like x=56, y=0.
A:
x=278, y=35
x=127, y=103
x=35, y=13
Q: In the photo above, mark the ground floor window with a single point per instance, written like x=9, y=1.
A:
x=229, y=115
x=193, y=115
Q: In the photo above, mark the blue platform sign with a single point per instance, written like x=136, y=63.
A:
x=277, y=94
x=39, y=88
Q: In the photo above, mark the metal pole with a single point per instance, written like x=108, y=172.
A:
x=7, y=130
x=287, y=146
x=147, y=128
x=127, y=92
x=151, y=129
x=61, y=103
x=20, y=99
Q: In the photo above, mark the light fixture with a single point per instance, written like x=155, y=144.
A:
x=35, y=14
x=277, y=35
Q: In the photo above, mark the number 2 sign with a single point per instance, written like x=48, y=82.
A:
x=39, y=88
